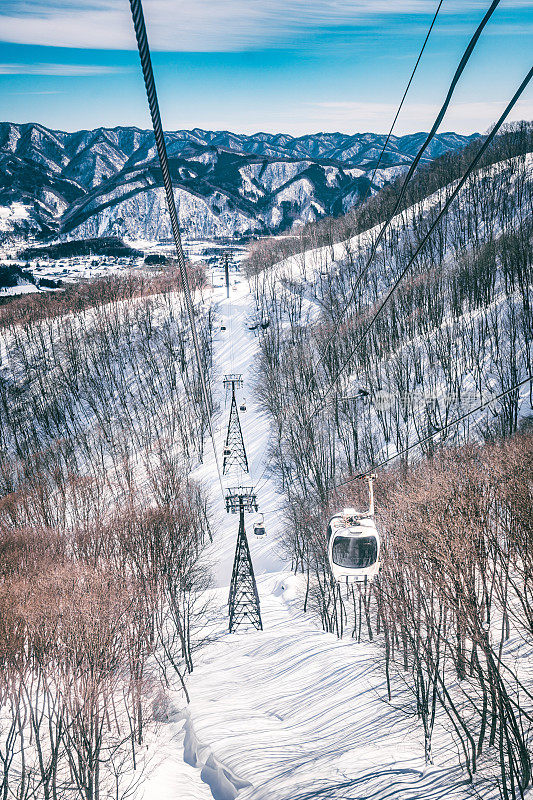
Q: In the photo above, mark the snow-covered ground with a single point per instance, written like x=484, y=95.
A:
x=12, y=214
x=25, y=288
x=289, y=712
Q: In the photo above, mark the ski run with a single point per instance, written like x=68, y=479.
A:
x=290, y=712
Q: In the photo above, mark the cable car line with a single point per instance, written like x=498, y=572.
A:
x=258, y=483
x=440, y=116
x=365, y=198
x=149, y=82
x=435, y=433
x=439, y=216
x=458, y=72
x=353, y=541
x=260, y=478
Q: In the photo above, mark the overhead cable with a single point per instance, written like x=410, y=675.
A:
x=435, y=433
x=387, y=140
x=442, y=212
x=458, y=72
x=149, y=82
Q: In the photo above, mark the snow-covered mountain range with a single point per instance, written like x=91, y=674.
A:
x=107, y=181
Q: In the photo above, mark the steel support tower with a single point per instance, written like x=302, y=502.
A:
x=232, y=382
x=234, y=450
x=243, y=601
x=226, y=258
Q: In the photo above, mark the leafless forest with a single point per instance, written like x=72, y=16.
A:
x=102, y=531
x=452, y=606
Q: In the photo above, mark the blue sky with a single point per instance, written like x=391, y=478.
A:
x=294, y=66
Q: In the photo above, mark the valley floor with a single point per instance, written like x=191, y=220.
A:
x=289, y=713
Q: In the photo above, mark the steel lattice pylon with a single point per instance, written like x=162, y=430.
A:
x=234, y=452
x=243, y=599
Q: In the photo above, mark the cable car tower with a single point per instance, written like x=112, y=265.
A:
x=234, y=451
x=243, y=598
x=226, y=258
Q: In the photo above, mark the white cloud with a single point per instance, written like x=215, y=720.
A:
x=204, y=25
x=302, y=118
x=71, y=70
x=461, y=117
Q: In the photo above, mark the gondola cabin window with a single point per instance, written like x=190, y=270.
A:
x=357, y=552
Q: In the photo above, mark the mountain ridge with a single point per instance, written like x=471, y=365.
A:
x=107, y=181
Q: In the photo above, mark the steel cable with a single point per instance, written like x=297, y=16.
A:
x=387, y=140
x=458, y=72
x=437, y=219
x=435, y=433
x=149, y=82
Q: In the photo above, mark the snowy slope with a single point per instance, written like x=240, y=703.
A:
x=290, y=712
x=297, y=293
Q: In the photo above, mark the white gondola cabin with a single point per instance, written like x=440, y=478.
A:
x=354, y=544
x=259, y=527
